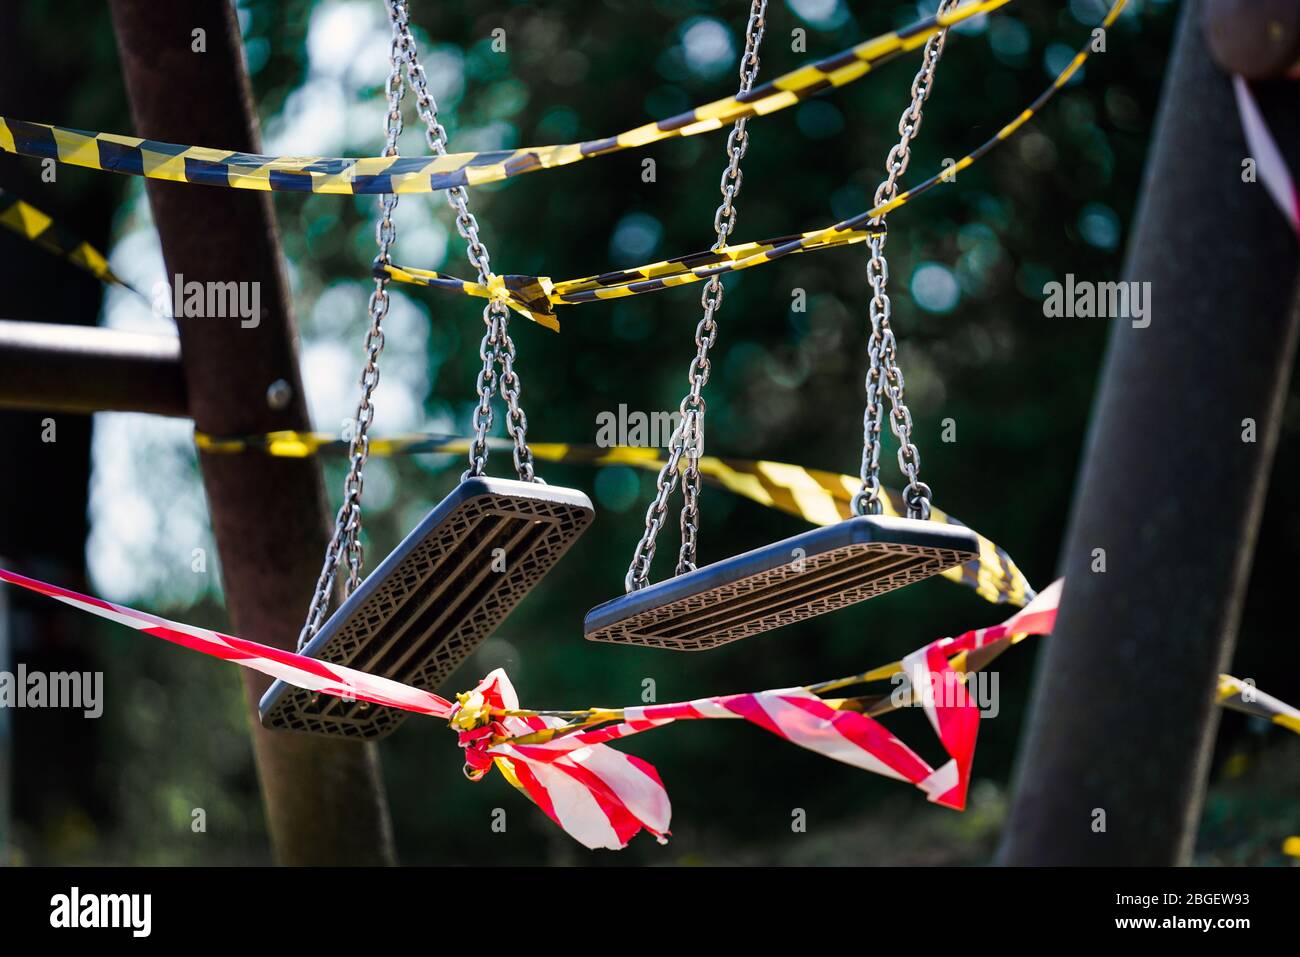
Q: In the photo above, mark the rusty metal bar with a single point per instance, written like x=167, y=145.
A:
x=47, y=367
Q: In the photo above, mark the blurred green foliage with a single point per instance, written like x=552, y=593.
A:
x=786, y=386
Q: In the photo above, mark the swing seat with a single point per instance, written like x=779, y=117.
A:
x=798, y=578
x=431, y=602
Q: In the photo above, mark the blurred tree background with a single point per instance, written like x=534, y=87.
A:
x=968, y=264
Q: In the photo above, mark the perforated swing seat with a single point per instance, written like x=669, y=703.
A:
x=798, y=578
x=441, y=592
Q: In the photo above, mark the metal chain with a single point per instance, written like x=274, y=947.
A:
x=688, y=438
x=884, y=370
x=345, y=544
x=496, y=348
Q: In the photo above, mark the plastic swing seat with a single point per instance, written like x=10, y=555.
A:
x=824, y=569
x=431, y=602
x=798, y=578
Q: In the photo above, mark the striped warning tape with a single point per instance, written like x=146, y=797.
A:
x=30, y=223
x=529, y=296
x=137, y=156
x=602, y=797
x=821, y=498
x=1245, y=697
x=535, y=296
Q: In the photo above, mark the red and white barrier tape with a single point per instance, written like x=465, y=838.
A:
x=599, y=795
x=296, y=669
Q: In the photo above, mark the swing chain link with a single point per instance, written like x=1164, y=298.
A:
x=345, y=543
x=884, y=370
x=688, y=438
x=497, y=348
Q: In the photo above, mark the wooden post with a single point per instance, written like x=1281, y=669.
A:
x=187, y=83
x=1172, y=485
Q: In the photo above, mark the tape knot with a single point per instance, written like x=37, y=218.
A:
x=496, y=287
x=472, y=711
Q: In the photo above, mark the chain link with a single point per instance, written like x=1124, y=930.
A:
x=345, y=540
x=496, y=348
x=884, y=372
x=688, y=438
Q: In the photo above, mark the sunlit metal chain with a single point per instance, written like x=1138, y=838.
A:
x=345, y=544
x=884, y=371
x=688, y=438
x=497, y=348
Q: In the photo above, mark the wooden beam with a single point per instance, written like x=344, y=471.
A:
x=58, y=368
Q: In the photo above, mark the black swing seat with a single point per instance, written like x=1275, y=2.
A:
x=800, y=577
x=440, y=593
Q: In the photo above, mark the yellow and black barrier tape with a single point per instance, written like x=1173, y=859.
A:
x=40, y=228
x=153, y=159
x=536, y=296
x=818, y=497
x=1245, y=697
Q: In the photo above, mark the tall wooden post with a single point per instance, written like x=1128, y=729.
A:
x=188, y=83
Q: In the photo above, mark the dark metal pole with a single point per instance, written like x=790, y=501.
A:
x=324, y=799
x=57, y=368
x=1171, y=487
